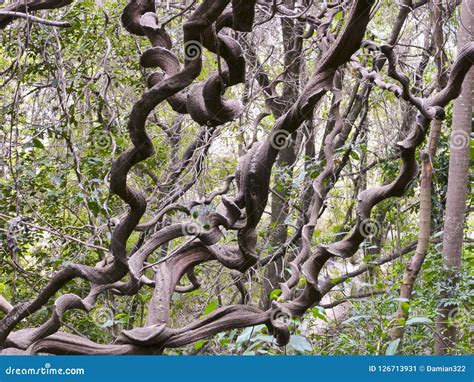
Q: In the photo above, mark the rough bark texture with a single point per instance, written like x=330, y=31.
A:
x=242, y=212
x=457, y=190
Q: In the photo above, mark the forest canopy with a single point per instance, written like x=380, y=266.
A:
x=236, y=177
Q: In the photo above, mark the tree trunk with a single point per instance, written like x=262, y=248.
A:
x=457, y=192
x=414, y=265
x=292, y=42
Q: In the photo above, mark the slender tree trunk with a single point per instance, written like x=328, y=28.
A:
x=292, y=40
x=414, y=265
x=457, y=192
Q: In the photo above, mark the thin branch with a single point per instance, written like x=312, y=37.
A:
x=35, y=19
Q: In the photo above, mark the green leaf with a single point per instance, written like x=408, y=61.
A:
x=419, y=320
x=405, y=307
x=121, y=318
x=355, y=155
x=212, y=306
x=248, y=332
x=392, y=347
x=275, y=293
x=300, y=343
x=224, y=341
x=379, y=286
x=245, y=335
x=338, y=15
x=401, y=321
x=37, y=143
x=198, y=345
x=320, y=313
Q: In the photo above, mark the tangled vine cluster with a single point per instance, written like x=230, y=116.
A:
x=218, y=27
